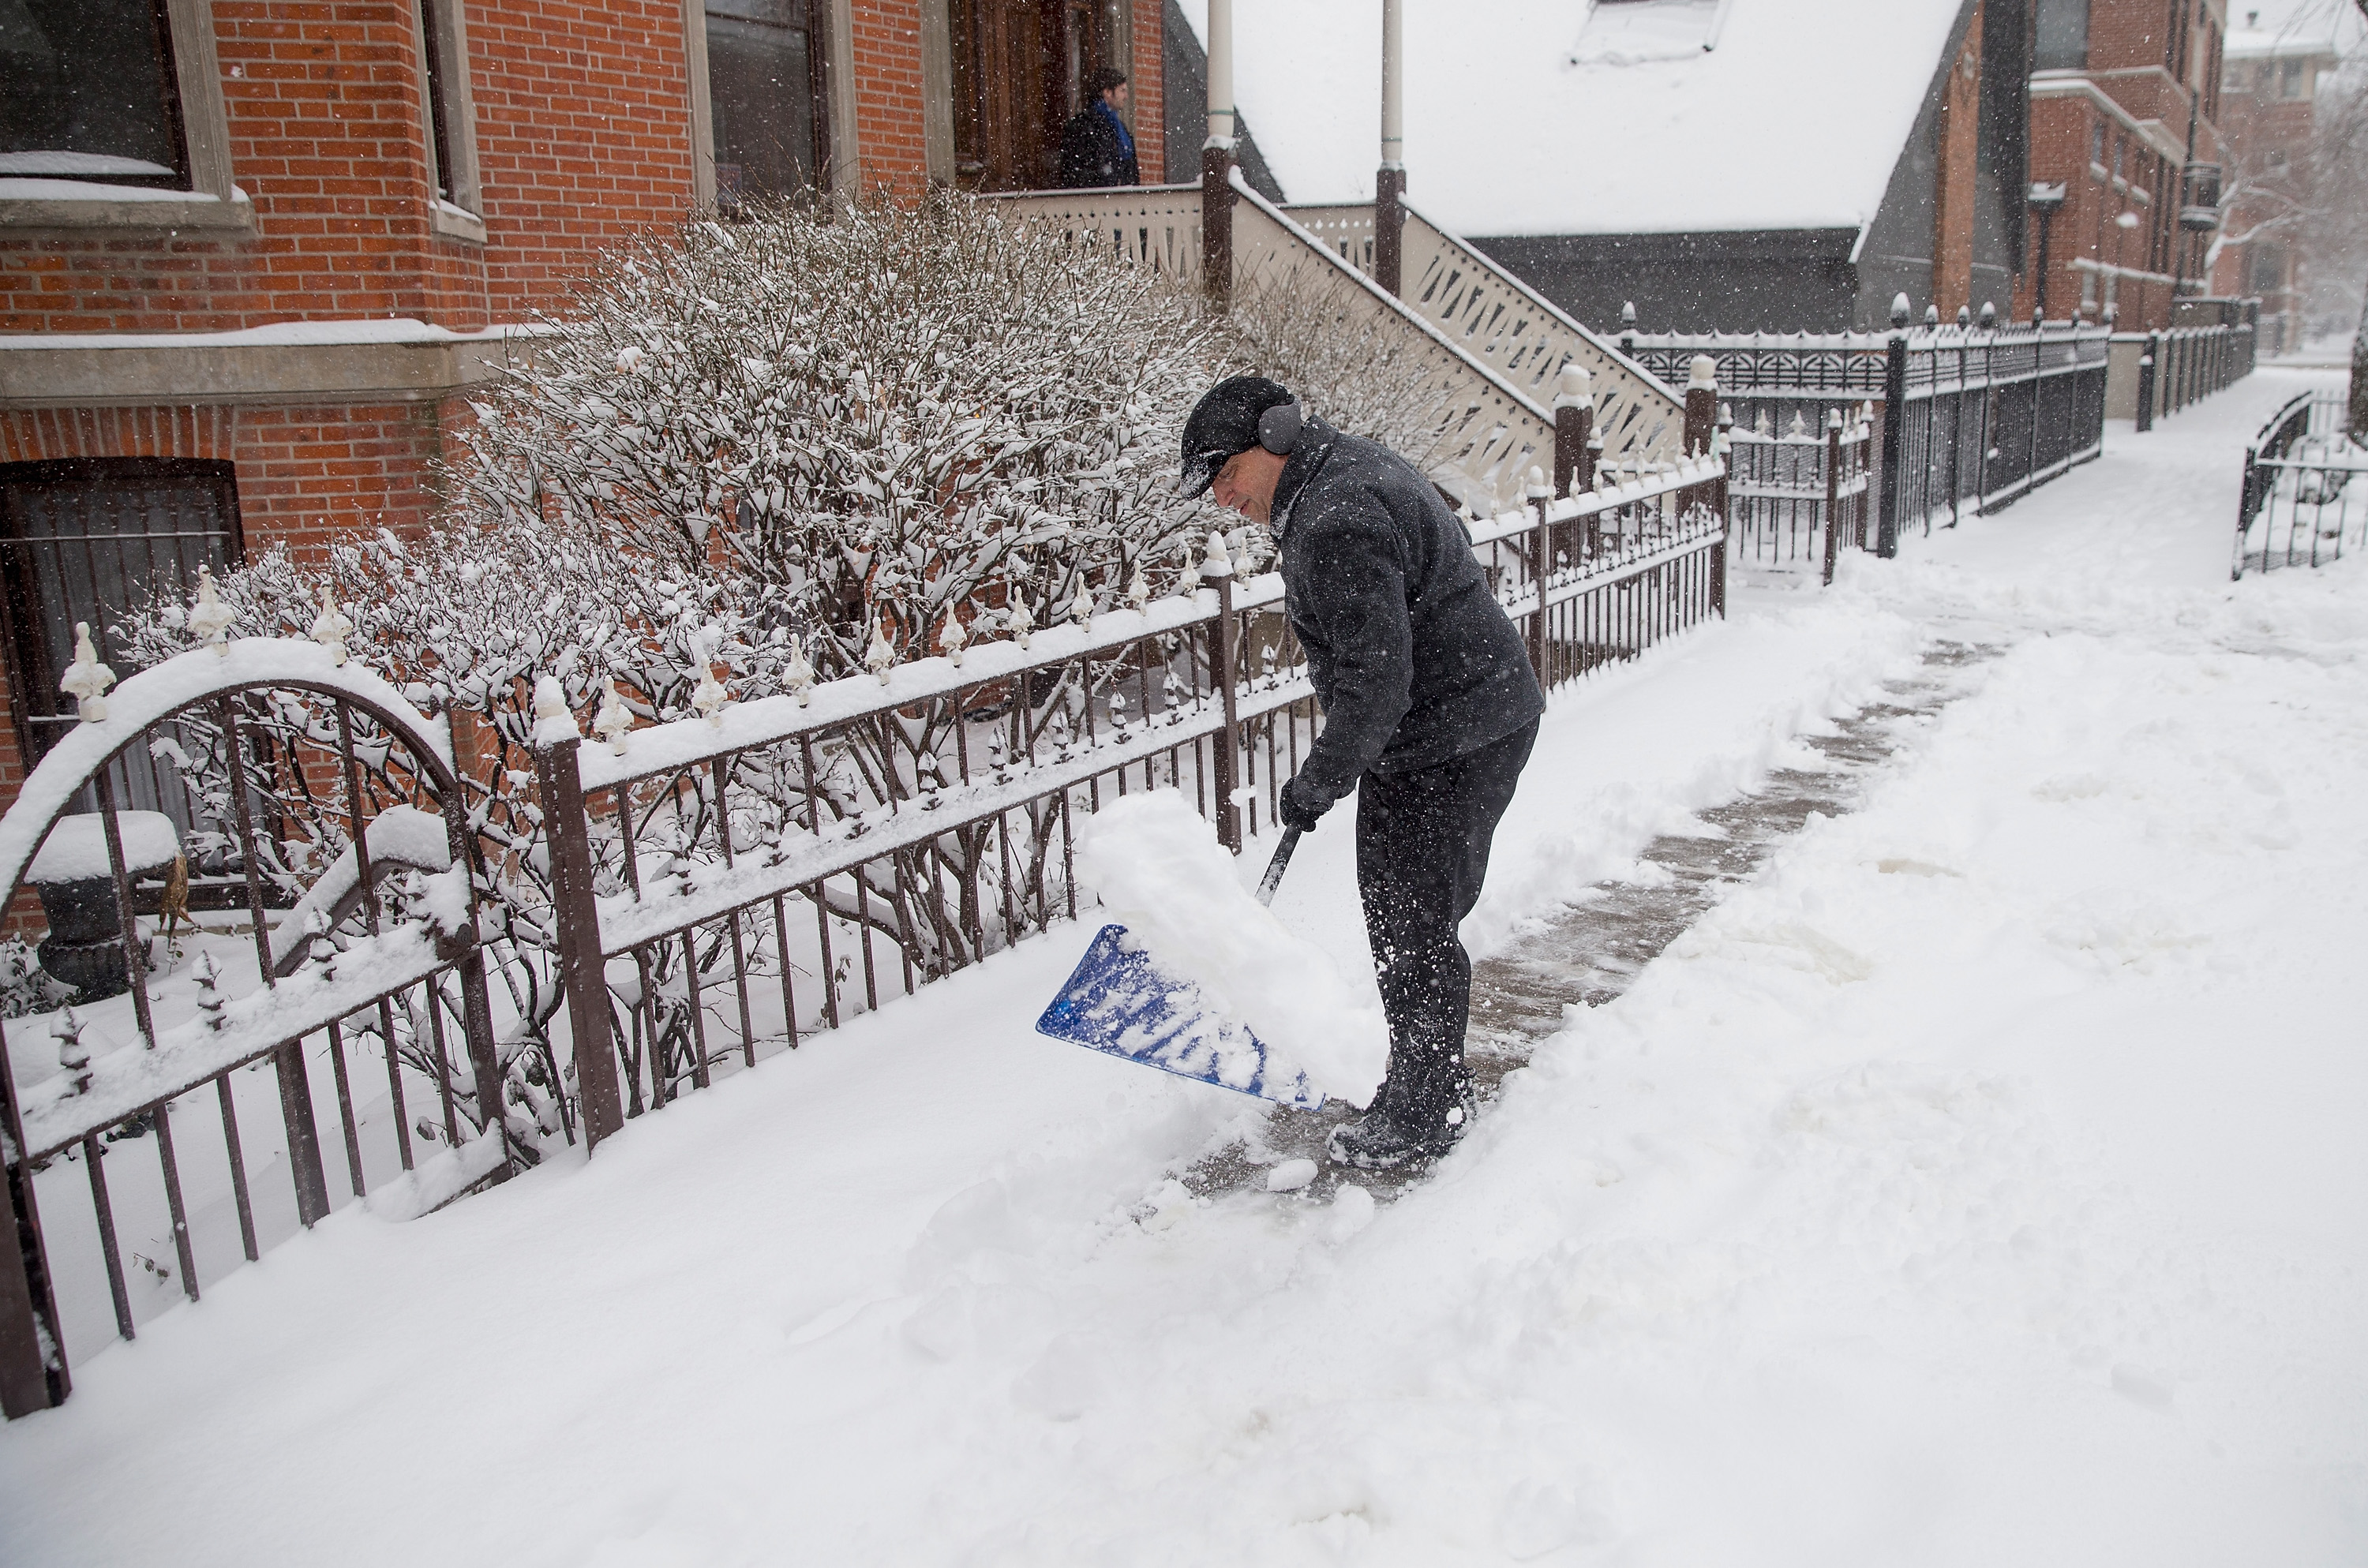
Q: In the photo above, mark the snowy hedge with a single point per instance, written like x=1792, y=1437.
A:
x=738, y=445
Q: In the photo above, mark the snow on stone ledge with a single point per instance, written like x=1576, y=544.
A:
x=163, y=690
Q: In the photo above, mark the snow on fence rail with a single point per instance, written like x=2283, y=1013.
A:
x=728, y=885
x=2305, y=491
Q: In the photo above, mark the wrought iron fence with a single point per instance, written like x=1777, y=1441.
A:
x=2185, y=365
x=1799, y=496
x=307, y=766
x=725, y=888
x=1973, y=415
x=2305, y=491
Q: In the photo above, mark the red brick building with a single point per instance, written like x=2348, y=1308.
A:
x=2124, y=130
x=254, y=251
x=2269, y=88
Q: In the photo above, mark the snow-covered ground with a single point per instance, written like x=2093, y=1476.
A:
x=1981, y=1183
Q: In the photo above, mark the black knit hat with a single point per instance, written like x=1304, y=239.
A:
x=1225, y=421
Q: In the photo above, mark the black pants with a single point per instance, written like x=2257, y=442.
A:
x=1422, y=853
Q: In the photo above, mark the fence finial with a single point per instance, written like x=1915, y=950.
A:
x=1931, y=316
x=613, y=722
x=553, y=721
x=1217, y=562
x=881, y=657
x=800, y=674
x=953, y=638
x=1990, y=316
x=87, y=679
x=1138, y=590
x=1573, y=392
x=211, y=618
x=332, y=627
x=1703, y=372
x=1537, y=489
x=1899, y=308
x=709, y=695
x=1019, y=622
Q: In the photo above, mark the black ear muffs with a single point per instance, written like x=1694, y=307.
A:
x=1278, y=428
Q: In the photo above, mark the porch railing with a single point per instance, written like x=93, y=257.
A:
x=2305, y=499
x=1492, y=351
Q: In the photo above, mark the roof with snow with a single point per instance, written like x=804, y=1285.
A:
x=2284, y=28
x=1559, y=117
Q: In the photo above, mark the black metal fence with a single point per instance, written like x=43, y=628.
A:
x=2187, y=364
x=1973, y=414
x=145, y=1145
x=2306, y=492
x=1798, y=496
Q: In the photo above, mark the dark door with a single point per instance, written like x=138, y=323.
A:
x=86, y=540
x=1019, y=72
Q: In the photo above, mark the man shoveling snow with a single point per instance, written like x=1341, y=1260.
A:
x=1429, y=711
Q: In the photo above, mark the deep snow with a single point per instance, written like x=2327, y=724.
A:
x=1979, y=1184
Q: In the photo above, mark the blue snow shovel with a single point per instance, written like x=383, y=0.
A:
x=1119, y=1004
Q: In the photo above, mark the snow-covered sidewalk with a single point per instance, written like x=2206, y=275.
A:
x=1981, y=1183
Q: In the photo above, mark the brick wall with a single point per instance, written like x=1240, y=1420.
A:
x=583, y=139
x=583, y=135
x=1147, y=97
x=1955, y=180
x=887, y=48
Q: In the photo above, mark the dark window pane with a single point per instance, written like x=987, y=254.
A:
x=86, y=92
x=439, y=100
x=87, y=540
x=2062, y=36
x=760, y=88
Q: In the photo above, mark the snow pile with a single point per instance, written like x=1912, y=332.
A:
x=77, y=847
x=1161, y=873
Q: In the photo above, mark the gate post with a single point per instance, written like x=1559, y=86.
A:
x=582, y=972
x=32, y=1369
x=2145, y=382
x=1574, y=415
x=1218, y=569
x=1217, y=162
x=1833, y=489
x=1894, y=410
x=1538, y=493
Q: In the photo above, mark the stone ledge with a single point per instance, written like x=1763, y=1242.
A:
x=57, y=371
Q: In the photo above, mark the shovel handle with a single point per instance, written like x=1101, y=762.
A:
x=1274, y=868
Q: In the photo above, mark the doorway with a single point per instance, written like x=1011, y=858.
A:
x=1019, y=74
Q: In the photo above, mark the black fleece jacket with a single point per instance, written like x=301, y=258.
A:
x=1414, y=661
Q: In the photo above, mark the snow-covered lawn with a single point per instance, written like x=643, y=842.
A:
x=1983, y=1183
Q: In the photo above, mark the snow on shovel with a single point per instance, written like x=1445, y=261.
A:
x=1202, y=980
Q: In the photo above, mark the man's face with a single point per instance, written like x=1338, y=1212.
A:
x=1246, y=483
x=1115, y=96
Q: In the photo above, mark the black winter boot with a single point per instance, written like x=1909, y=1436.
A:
x=1403, y=1129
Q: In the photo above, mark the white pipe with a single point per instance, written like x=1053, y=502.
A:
x=1221, y=73
x=1392, y=85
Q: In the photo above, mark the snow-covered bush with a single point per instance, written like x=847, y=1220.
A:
x=795, y=436
x=1318, y=334
x=881, y=414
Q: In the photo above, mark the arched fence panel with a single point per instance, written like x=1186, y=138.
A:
x=177, y=1094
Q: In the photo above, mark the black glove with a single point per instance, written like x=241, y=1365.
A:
x=1302, y=805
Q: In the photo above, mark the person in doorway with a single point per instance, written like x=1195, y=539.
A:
x=1430, y=711
x=1097, y=149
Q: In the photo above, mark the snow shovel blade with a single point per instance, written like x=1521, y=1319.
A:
x=1119, y=1003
